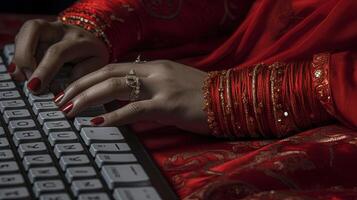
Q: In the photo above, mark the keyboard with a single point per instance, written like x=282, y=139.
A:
x=45, y=156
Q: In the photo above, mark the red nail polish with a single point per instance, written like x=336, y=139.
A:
x=11, y=68
x=34, y=84
x=97, y=120
x=58, y=97
x=67, y=108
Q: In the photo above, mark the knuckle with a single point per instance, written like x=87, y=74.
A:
x=55, y=50
x=73, y=87
x=137, y=108
x=108, y=69
x=114, y=83
x=83, y=96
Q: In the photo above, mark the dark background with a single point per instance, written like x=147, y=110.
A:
x=34, y=6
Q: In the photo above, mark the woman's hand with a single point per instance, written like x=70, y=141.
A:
x=42, y=48
x=170, y=93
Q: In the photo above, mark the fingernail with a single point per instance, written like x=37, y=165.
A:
x=11, y=68
x=34, y=84
x=58, y=97
x=97, y=120
x=67, y=108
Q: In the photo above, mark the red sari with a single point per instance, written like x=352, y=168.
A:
x=317, y=162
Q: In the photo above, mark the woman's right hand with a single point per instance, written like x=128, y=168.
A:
x=42, y=48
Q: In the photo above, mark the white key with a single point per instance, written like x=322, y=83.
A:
x=21, y=125
x=11, y=105
x=25, y=89
x=100, y=134
x=62, y=137
x=3, y=68
x=54, y=126
x=115, y=175
x=16, y=114
x=80, y=122
x=14, y=193
x=108, y=148
x=50, y=116
x=7, y=85
x=5, y=77
x=40, y=98
x=44, y=107
x=107, y=159
x=136, y=193
x=9, y=49
x=11, y=94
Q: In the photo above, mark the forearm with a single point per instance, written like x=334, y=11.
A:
x=128, y=24
x=269, y=100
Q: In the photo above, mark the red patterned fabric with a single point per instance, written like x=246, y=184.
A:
x=318, y=163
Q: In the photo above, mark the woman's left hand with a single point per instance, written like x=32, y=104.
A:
x=170, y=93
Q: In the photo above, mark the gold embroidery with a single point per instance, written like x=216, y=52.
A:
x=321, y=82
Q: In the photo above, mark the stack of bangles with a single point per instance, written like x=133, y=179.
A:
x=265, y=101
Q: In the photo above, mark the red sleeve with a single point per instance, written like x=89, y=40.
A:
x=279, y=99
x=127, y=24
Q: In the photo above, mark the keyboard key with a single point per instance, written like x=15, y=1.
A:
x=39, y=173
x=80, y=122
x=11, y=94
x=44, y=107
x=11, y=105
x=3, y=68
x=8, y=85
x=136, y=193
x=73, y=160
x=108, y=148
x=11, y=180
x=49, y=127
x=62, y=137
x=83, y=186
x=70, y=148
x=2, y=132
x=115, y=175
x=31, y=148
x=26, y=137
x=40, y=98
x=104, y=159
x=100, y=134
x=73, y=173
x=47, y=186
x=94, y=196
x=36, y=161
x=9, y=58
x=25, y=89
x=4, y=143
x=10, y=115
x=50, y=116
x=6, y=155
x=8, y=167
x=57, y=196
x=21, y=125
x=5, y=77
x=14, y=193
x=9, y=49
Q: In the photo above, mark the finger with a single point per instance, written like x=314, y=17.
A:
x=85, y=67
x=28, y=38
x=109, y=71
x=54, y=58
x=104, y=92
x=132, y=112
x=16, y=73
